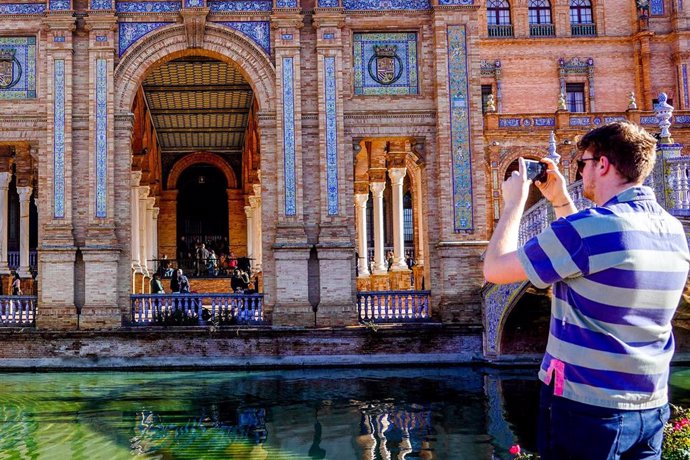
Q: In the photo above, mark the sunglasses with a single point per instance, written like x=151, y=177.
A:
x=583, y=161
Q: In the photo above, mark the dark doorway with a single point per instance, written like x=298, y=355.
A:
x=202, y=206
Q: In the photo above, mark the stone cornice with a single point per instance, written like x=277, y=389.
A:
x=431, y=114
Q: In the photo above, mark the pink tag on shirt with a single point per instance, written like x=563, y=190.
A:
x=558, y=368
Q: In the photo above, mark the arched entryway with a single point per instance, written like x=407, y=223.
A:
x=195, y=147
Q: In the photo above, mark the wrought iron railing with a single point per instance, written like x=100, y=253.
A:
x=542, y=30
x=500, y=30
x=393, y=306
x=196, y=309
x=17, y=311
x=583, y=30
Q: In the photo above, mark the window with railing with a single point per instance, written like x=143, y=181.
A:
x=498, y=18
x=575, y=97
x=540, y=23
x=581, y=22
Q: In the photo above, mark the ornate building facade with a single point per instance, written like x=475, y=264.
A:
x=310, y=138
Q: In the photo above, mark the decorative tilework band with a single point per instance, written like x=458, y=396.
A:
x=59, y=5
x=386, y=5
x=59, y=139
x=289, y=136
x=101, y=136
x=240, y=5
x=686, y=97
x=460, y=129
x=258, y=31
x=656, y=7
x=101, y=4
x=147, y=7
x=331, y=134
x=22, y=8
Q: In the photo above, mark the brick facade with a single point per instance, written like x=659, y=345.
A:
x=86, y=260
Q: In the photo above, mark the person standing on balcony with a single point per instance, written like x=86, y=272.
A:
x=156, y=285
x=182, y=282
x=16, y=285
x=617, y=271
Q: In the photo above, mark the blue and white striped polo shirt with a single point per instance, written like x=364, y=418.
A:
x=618, y=272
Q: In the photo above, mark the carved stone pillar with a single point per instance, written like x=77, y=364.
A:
x=397, y=175
x=249, y=211
x=134, y=243
x=380, y=266
x=24, y=270
x=150, y=201
x=362, y=262
x=5, y=178
x=255, y=203
x=143, y=195
x=154, y=237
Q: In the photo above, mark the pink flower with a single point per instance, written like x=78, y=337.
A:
x=515, y=450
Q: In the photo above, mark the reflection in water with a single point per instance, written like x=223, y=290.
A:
x=450, y=413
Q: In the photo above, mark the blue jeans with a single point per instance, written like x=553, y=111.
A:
x=577, y=431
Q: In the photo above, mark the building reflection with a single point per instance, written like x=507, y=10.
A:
x=388, y=432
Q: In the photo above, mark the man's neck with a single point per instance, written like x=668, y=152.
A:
x=614, y=189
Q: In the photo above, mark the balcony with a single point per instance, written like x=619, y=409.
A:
x=583, y=30
x=542, y=30
x=500, y=30
x=393, y=306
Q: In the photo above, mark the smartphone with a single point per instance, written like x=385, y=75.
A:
x=536, y=170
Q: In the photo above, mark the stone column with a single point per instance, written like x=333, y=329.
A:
x=361, y=205
x=255, y=203
x=143, y=195
x=150, y=201
x=154, y=236
x=24, y=201
x=5, y=178
x=397, y=175
x=379, y=258
x=134, y=212
x=250, y=232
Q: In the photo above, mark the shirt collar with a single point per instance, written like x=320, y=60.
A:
x=634, y=193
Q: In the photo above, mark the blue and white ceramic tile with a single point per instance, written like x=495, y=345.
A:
x=59, y=5
x=386, y=5
x=147, y=7
x=405, y=63
x=22, y=81
x=329, y=4
x=656, y=7
x=101, y=136
x=22, y=8
x=286, y=3
x=130, y=32
x=289, y=136
x=240, y=5
x=460, y=129
x=59, y=139
x=193, y=3
x=101, y=4
x=331, y=134
x=686, y=97
x=258, y=31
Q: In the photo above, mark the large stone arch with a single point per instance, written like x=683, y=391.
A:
x=170, y=42
x=201, y=158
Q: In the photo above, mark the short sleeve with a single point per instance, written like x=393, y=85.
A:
x=554, y=255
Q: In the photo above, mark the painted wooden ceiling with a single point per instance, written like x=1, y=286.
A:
x=197, y=103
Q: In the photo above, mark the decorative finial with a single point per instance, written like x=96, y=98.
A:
x=490, y=104
x=664, y=112
x=632, y=103
x=553, y=155
x=561, y=102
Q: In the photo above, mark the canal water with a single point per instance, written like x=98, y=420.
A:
x=424, y=413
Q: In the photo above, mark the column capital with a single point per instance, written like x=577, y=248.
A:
x=257, y=189
x=254, y=202
x=24, y=193
x=143, y=192
x=156, y=211
x=5, y=179
x=397, y=175
x=249, y=211
x=150, y=203
x=135, y=177
x=361, y=200
x=377, y=188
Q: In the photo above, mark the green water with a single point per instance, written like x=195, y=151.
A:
x=446, y=413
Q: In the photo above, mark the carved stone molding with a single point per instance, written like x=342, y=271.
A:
x=195, y=25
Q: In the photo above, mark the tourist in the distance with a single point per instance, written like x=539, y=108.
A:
x=156, y=285
x=16, y=285
x=174, y=282
x=183, y=282
x=617, y=272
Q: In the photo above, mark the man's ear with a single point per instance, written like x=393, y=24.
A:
x=604, y=166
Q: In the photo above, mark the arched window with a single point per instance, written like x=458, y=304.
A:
x=580, y=12
x=539, y=11
x=497, y=12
